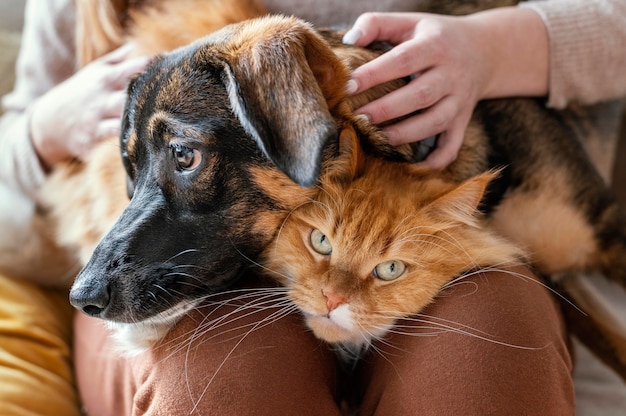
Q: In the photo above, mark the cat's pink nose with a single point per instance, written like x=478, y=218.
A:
x=332, y=299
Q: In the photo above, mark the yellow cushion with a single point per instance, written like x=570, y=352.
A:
x=36, y=375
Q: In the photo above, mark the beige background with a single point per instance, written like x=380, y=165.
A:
x=11, y=18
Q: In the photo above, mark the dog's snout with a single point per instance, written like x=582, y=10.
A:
x=92, y=301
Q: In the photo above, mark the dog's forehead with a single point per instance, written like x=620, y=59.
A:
x=182, y=89
x=189, y=80
x=186, y=76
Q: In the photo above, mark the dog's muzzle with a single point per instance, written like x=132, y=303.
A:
x=93, y=299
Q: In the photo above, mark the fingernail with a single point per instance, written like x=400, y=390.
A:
x=364, y=117
x=352, y=36
x=351, y=87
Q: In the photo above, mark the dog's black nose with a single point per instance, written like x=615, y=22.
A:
x=91, y=300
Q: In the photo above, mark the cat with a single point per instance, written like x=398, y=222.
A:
x=377, y=241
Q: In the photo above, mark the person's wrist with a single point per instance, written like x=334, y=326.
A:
x=515, y=50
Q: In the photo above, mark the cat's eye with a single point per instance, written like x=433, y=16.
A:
x=186, y=158
x=320, y=242
x=389, y=270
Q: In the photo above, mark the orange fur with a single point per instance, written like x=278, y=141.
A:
x=99, y=29
x=264, y=55
x=373, y=211
x=171, y=24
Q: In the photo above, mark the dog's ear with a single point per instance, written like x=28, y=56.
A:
x=284, y=82
x=124, y=137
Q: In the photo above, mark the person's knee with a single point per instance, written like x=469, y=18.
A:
x=495, y=340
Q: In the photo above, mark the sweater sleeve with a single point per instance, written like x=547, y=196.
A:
x=46, y=58
x=587, y=54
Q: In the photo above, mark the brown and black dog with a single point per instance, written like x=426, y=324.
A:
x=221, y=137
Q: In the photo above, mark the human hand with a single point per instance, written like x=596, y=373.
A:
x=454, y=62
x=442, y=55
x=85, y=109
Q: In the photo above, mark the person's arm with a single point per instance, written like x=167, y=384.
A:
x=587, y=54
x=457, y=61
x=57, y=113
x=45, y=59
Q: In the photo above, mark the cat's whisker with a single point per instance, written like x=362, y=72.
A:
x=194, y=339
x=434, y=322
x=454, y=327
x=242, y=294
x=266, y=321
x=454, y=242
x=499, y=268
x=422, y=229
x=242, y=311
x=373, y=345
x=180, y=274
x=188, y=276
x=290, y=213
x=190, y=250
x=433, y=234
x=238, y=314
x=280, y=312
x=262, y=266
x=192, y=266
x=519, y=276
x=426, y=239
x=411, y=229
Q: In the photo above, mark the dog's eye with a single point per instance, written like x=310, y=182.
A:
x=185, y=157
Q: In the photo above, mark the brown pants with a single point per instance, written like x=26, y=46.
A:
x=492, y=345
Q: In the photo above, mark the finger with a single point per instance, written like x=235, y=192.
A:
x=107, y=129
x=114, y=104
x=390, y=27
x=448, y=146
x=430, y=122
x=104, y=130
x=120, y=54
x=422, y=92
x=123, y=71
x=409, y=58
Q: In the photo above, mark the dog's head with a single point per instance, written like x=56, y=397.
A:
x=218, y=140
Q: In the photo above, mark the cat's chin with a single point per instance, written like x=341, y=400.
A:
x=325, y=329
x=336, y=327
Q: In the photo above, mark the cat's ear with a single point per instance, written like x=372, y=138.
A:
x=351, y=151
x=461, y=203
x=350, y=161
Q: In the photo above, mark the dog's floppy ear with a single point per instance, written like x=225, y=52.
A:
x=284, y=81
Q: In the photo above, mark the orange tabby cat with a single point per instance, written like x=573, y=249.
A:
x=377, y=242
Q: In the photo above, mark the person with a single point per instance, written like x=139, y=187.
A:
x=504, y=348
x=555, y=49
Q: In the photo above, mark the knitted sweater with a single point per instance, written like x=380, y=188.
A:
x=587, y=60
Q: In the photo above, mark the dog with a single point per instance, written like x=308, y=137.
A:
x=82, y=199
x=214, y=163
